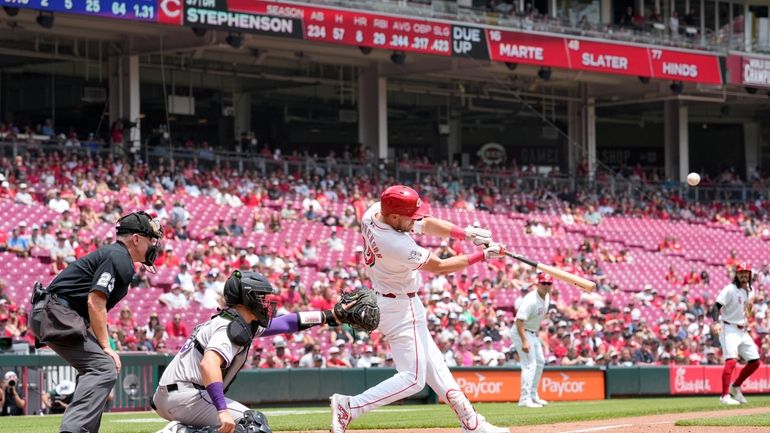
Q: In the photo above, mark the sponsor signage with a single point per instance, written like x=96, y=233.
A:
x=708, y=380
x=556, y=385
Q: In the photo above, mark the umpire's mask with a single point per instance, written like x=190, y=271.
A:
x=143, y=224
x=251, y=289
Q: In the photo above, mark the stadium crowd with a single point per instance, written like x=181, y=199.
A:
x=464, y=317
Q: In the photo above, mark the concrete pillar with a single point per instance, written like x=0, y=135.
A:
x=124, y=95
x=605, y=12
x=242, y=120
x=589, y=126
x=677, y=141
x=575, y=136
x=752, y=139
x=373, y=111
x=455, y=138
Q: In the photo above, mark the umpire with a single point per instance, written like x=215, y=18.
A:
x=79, y=298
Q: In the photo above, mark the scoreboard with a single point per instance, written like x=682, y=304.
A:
x=138, y=10
x=404, y=33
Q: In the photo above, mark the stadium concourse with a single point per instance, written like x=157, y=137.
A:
x=659, y=260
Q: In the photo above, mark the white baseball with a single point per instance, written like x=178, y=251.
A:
x=693, y=179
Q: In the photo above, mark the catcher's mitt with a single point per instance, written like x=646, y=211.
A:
x=358, y=309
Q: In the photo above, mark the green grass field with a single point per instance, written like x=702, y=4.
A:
x=418, y=416
x=757, y=420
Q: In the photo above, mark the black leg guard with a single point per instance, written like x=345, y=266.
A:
x=253, y=422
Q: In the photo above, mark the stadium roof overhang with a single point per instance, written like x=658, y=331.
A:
x=300, y=65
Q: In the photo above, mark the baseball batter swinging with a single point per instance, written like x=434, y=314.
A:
x=393, y=263
x=735, y=302
x=191, y=392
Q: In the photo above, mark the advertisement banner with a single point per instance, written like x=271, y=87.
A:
x=707, y=379
x=555, y=385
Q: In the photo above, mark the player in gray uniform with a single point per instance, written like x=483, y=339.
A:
x=191, y=390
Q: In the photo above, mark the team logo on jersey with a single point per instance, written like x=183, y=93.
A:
x=415, y=256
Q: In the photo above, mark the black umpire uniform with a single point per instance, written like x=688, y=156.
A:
x=60, y=315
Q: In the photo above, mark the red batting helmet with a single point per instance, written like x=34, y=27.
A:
x=402, y=200
x=543, y=278
x=743, y=267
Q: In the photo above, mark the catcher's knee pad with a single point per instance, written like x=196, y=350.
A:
x=253, y=422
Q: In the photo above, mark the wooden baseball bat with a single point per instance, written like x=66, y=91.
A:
x=579, y=282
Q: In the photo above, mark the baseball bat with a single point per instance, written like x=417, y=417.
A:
x=579, y=282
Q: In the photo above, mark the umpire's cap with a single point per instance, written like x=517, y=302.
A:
x=139, y=222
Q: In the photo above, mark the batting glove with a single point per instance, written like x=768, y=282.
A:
x=478, y=235
x=494, y=251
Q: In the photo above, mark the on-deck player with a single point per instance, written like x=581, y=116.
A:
x=735, y=302
x=393, y=263
x=525, y=338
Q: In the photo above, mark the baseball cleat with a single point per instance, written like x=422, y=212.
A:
x=737, y=395
x=529, y=403
x=482, y=426
x=726, y=399
x=540, y=401
x=341, y=415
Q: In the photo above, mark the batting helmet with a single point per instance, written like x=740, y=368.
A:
x=543, y=278
x=402, y=200
x=250, y=289
x=743, y=267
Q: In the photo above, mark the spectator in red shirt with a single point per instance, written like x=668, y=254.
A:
x=335, y=359
x=176, y=328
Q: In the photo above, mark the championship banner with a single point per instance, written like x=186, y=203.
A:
x=751, y=71
x=707, y=379
x=555, y=385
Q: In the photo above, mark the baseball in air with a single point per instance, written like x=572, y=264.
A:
x=693, y=179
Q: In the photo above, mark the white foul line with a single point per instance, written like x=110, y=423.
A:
x=606, y=427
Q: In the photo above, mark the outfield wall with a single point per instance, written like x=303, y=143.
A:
x=141, y=372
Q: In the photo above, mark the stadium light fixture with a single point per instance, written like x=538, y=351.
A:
x=644, y=80
x=398, y=57
x=544, y=73
x=199, y=32
x=677, y=87
x=45, y=19
x=511, y=66
x=365, y=50
x=11, y=12
x=234, y=40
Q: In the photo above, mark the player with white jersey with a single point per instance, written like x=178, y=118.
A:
x=529, y=316
x=191, y=391
x=393, y=263
x=735, y=301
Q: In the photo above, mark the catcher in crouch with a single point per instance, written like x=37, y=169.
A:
x=191, y=392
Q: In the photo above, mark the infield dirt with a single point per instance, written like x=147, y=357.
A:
x=641, y=424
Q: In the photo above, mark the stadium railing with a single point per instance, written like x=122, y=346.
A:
x=242, y=161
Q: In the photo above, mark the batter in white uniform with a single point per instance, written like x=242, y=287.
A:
x=191, y=390
x=525, y=338
x=393, y=263
x=735, y=301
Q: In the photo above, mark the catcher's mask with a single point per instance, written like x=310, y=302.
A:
x=251, y=289
x=143, y=224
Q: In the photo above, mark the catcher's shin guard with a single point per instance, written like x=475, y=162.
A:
x=253, y=422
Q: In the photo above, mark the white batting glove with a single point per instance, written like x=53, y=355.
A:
x=478, y=235
x=494, y=251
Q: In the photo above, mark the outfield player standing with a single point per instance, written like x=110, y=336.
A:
x=735, y=301
x=393, y=263
x=525, y=338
